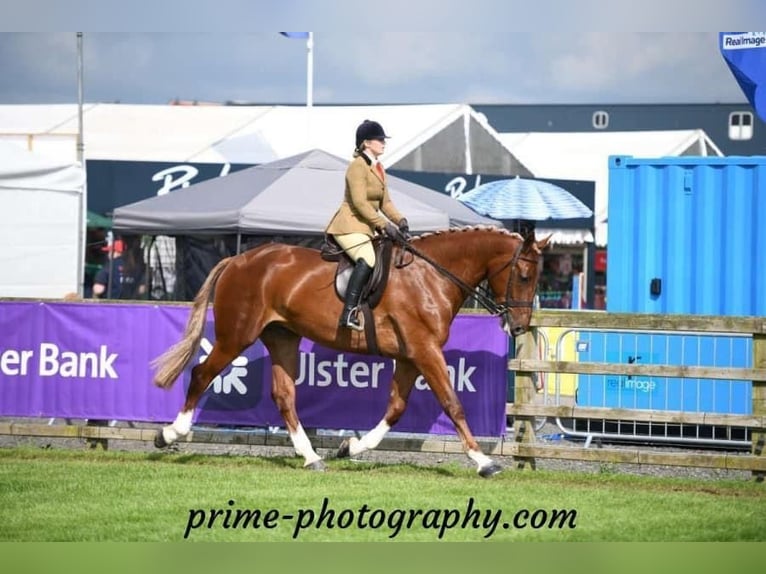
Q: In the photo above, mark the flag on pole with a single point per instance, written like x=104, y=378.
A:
x=745, y=54
x=298, y=35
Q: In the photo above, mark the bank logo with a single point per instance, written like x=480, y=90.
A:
x=233, y=380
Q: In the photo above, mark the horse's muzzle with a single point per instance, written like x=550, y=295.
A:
x=511, y=329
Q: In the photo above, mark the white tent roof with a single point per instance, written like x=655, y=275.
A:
x=235, y=134
x=585, y=156
x=24, y=170
x=131, y=132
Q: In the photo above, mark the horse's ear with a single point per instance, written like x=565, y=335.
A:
x=543, y=243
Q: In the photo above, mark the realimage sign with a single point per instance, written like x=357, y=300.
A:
x=745, y=54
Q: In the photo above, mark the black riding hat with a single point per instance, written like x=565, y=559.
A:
x=369, y=130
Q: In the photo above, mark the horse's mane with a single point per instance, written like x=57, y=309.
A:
x=466, y=229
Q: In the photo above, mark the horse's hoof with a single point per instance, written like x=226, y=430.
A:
x=317, y=465
x=159, y=440
x=490, y=470
x=344, y=450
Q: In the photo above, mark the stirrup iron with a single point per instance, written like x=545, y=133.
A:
x=355, y=313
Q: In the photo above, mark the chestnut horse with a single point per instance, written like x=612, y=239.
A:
x=281, y=293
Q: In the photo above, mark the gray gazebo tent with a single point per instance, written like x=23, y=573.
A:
x=295, y=196
x=289, y=198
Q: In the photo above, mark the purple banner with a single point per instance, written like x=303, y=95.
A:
x=82, y=360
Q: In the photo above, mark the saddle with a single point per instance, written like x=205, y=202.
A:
x=376, y=284
x=372, y=292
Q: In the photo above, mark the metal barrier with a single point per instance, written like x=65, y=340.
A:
x=663, y=393
x=644, y=417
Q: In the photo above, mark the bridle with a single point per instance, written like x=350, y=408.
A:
x=481, y=296
x=509, y=302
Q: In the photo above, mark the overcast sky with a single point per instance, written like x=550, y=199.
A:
x=479, y=60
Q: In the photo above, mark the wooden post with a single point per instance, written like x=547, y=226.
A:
x=524, y=393
x=759, y=399
x=97, y=442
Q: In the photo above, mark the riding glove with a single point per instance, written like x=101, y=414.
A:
x=404, y=227
x=393, y=232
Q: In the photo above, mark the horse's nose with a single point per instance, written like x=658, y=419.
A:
x=516, y=331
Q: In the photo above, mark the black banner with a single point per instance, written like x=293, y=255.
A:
x=112, y=184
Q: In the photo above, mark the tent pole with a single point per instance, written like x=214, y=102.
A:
x=146, y=255
x=467, y=142
x=309, y=86
x=110, y=255
x=239, y=242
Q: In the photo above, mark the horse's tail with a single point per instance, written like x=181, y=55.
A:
x=170, y=364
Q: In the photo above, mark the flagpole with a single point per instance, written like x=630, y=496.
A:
x=83, y=219
x=309, y=37
x=309, y=84
x=310, y=71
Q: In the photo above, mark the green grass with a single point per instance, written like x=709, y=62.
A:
x=61, y=495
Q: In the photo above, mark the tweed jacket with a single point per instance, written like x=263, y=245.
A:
x=365, y=197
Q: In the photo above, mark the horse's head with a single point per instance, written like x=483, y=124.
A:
x=514, y=282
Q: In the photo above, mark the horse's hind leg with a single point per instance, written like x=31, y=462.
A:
x=403, y=381
x=201, y=377
x=283, y=350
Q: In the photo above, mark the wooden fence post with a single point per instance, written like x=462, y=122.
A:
x=759, y=399
x=524, y=392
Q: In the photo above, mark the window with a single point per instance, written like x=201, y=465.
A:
x=600, y=120
x=740, y=126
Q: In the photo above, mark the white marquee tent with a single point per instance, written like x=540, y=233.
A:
x=431, y=137
x=42, y=227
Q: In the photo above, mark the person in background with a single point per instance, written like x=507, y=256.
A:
x=126, y=276
x=361, y=215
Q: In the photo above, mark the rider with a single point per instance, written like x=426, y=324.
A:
x=358, y=218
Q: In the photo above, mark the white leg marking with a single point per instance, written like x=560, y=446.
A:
x=479, y=458
x=169, y=435
x=183, y=423
x=180, y=427
x=370, y=440
x=303, y=446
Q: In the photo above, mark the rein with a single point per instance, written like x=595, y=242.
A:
x=476, y=293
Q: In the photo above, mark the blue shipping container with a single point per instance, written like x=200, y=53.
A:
x=695, y=225
x=686, y=235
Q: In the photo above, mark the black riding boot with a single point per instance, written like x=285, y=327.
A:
x=356, y=283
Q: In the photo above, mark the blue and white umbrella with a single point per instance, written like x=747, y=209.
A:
x=529, y=199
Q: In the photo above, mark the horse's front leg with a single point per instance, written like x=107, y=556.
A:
x=401, y=385
x=434, y=369
x=283, y=349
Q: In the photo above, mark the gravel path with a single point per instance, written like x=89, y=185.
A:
x=426, y=459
